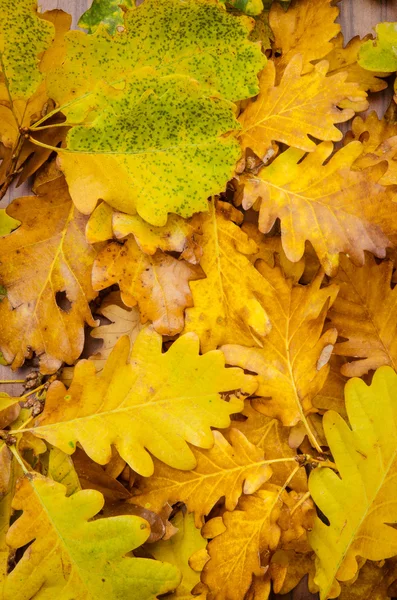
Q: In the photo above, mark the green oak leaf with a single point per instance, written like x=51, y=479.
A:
x=380, y=54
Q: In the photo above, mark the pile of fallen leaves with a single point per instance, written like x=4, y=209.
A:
x=203, y=289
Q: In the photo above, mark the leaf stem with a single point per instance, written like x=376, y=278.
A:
x=300, y=502
x=12, y=381
x=33, y=391
x=19, y=459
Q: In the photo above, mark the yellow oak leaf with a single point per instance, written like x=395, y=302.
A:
x=306, y=28
x=249, y=530
x=338, y=209
x=45, y=267
x=9, y=409
x=177, y=235
x=344, y=59
x=331, y=396
x=158, y=284
x=9, y=471
x=271, y=437
x=359, y=502
x=245, y=539
x=226, y=469
x=301, y=105
x=122, y=322
x=144, y=402
x=179, y=550
x=287, y=568
x=227, y=307
x=379, y=139
x=60, y=469
x=373, y=582
x=71, y=556
x=292, y=364
x=365, y=314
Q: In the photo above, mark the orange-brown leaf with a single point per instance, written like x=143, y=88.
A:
x=336, y=208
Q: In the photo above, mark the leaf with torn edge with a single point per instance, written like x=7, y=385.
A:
x=45, y=266
x=158, y=284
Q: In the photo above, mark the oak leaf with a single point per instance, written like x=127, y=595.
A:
x=8, y=475
x=180, y=550
x=9, y=409
x=374, y=582
x=359, y=503
x=379, y=139
x=221, y=314
x=45, y=259
x=338, y=209
x=177, y=235
x=248, y=531
x=365, y=314
x=93, y=477
x=345, y=59
x=71, y=556
x=158, y=284
x=122, y=322
x=271, y=437
x=292, y=364
x=290, y=30
x=245, y=539
x=380, y=54
x=60, y=468
x=158, y=133
x=139, y=395
x=301, y=105
x=226, y=469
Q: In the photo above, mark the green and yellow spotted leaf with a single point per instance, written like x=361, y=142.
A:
x=151, y=107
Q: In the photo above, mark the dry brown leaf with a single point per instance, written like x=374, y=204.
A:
x=379, y=139
x=365, y=313
x=158, y=284
x=45, y=266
